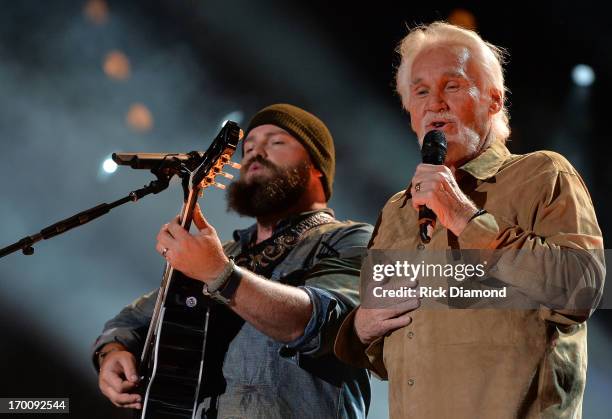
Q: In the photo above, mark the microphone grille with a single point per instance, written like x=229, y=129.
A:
x=434, y=146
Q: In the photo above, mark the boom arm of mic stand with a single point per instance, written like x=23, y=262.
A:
x=154, y=187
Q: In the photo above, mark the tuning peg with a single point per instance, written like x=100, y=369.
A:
x=233, y=165
x=219, y=185
x=226, y=175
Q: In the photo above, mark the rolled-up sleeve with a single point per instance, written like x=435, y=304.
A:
x=333, y=288
x=348, y=348
x=129, y=326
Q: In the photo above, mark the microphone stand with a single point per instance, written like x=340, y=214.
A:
x=165, y=172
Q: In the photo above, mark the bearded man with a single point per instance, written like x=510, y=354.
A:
x=279, y=362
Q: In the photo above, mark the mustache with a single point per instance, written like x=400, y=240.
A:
x=444, y=116
x=258, y=159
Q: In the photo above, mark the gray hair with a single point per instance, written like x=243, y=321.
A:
x=489, y=58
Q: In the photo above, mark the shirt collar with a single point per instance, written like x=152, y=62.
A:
x=488, y=163
x=245, y=236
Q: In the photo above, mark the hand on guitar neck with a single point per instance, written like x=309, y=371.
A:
x=198, y=255
x=118, y=379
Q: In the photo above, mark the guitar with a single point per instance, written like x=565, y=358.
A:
x=176, y=366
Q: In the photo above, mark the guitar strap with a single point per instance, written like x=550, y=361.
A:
x=263, y=257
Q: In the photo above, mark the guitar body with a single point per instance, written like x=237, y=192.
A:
x=173, y=373
x=178, y=366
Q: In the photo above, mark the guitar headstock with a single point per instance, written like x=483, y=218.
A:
x=217, y=170
x=218, y=155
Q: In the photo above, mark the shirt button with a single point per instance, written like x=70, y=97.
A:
x=421, y=246
x=410, y=335
x=411, y=381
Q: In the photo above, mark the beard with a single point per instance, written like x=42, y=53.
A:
x=463, y=147
x=272, y=194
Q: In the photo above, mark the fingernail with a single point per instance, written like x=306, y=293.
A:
x=134, y=378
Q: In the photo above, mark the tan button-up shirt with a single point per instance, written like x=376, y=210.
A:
x=491, y=363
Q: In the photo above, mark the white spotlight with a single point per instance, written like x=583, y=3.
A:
x=583, y=75
x=236, y=116
x=109, y=166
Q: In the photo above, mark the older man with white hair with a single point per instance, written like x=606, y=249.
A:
x=514, y=362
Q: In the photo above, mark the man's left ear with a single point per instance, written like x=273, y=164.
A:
x=496, y=101
x=315, y=172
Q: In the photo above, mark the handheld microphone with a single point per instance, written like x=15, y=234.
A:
x=433, y=151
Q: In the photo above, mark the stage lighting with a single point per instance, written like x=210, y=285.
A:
x=463, y=18
x=236, y=116
x=96, y=11
x=139, y=118
x=583, y=75
x=109, y=166
x=117, y=65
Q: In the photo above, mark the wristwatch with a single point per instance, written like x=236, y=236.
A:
x=478, y=214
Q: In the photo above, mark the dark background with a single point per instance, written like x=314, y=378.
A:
x=194, y=64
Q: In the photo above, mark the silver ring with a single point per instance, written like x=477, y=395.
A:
x=417, y=187
x=164, y=251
